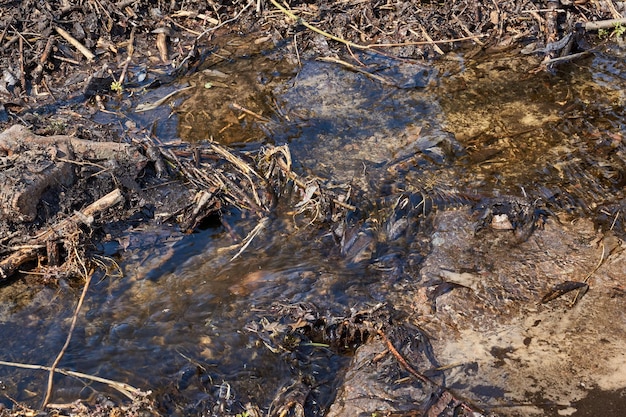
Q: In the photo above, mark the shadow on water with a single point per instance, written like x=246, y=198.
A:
x=179, y=318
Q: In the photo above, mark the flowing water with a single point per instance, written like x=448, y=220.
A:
x=180, y=319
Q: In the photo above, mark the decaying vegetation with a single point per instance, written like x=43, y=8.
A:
x=55, y=50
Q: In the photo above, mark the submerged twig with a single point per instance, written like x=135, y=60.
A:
x=349, y=66
x=69, y=336
x=249, y=112
x=151, y=106
x=578, y=294
x=254, y=233
x=403, y=361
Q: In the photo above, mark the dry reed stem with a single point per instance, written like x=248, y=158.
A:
x=81, y=48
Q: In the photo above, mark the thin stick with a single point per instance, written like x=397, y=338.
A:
x=131, y=50
x=615, y=219
x=586, y=280
x=69, y=336
x=186, y=13
x=466, y=30
x=254, y=233
x=81, y=48
x=250, y=3
x=151, y=106
x=403, y=361
x=566, y=58
x=429, y=39
x=249, y=112
x=390, y=45
x=348, y=65
x=295, y=44
x=604, y=24
x=126, y=389
x=22, y=72
x=37, y=73
x=316, y=30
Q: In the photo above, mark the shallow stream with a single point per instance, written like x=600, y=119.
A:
x=180, y=318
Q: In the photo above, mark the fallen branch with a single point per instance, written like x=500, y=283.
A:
x=17, y=136
x=20, y=192
x=10, y=264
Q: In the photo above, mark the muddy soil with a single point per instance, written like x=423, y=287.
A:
x=518, y=340
x=66, y=64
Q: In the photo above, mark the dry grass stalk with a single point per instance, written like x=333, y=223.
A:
x=81, y=48
x=123, y=388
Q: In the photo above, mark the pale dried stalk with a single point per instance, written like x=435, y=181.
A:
x=81, y=48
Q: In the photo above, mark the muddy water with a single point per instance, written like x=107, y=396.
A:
x=182, y=318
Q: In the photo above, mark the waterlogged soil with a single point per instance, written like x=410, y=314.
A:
x=482, y=186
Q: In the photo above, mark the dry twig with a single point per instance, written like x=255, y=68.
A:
x=127, y=390
x=81, y=48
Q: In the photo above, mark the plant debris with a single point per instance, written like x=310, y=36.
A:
x=57, y=51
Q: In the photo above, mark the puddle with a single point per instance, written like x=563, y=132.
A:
x=179, y=319
x=232, y=96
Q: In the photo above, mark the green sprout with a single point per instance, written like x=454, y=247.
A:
x=619, y=29
x=117, y=87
